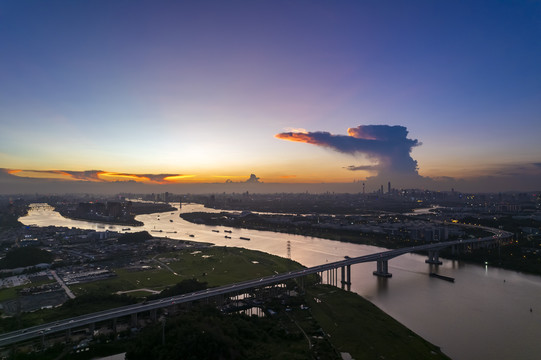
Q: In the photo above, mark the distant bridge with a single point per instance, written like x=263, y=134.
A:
x=381, y=259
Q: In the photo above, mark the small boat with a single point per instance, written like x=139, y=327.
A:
x=191, y=235
x=171, y=232
x=227, y=237
x=228, y=231
x=156, y=230
x=443, y=277
x=170, y=220
x=215, y=230
x=244, y=238
x=125, y=229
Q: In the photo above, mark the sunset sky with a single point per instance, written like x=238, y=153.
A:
x=436, y=93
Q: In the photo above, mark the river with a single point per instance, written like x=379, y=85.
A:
x=484, y=314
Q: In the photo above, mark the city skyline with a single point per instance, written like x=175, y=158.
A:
x=301, y=94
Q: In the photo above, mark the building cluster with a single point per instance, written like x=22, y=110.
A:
x=80, y=256
x=402, y=227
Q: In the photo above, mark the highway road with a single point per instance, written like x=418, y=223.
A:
x=79, y=321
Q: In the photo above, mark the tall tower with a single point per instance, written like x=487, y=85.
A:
x=389, y=187
x=363, y=188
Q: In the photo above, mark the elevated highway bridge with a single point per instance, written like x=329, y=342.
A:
x=381, y=259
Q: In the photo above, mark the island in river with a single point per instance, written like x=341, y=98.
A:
x=390, y=231
x=110, y=212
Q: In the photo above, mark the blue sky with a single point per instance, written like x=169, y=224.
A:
x=202, y=88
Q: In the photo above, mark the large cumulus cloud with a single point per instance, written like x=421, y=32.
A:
x=387, y=146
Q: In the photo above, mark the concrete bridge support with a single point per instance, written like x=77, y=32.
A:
x=433, y=257
x=382, y=268
x=332, y=276
x=346, y=277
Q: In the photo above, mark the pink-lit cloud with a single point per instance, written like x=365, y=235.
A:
x=387, y=146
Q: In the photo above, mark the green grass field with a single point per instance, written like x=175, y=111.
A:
x=360, y=328
x=11, y=293
x=349, y=322
x=214, y=265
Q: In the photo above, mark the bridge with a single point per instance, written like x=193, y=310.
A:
x=381, y=259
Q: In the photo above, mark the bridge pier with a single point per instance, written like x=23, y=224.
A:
x=382, y=269
x=346, y=281
x=433, y=257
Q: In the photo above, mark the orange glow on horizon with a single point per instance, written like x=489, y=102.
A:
x=176, y=178
x=170, y=179
x=112, y=176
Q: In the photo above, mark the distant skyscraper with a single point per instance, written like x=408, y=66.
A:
x=389, y=187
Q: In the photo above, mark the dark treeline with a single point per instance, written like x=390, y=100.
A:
x=25, y=256
x=209, y=334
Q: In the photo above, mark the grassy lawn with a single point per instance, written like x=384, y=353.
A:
x=364, y=330
x=224, y=265
x=154, y=279
x=215, y=265
x=11, y=293
x=337, y=321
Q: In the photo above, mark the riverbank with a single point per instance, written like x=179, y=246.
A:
x=463, y=329
x=299, y=315
x=510, y=256
x=301, y=227
x=356, y=326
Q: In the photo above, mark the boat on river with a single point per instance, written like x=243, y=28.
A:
x=244, y=238
x=443, y=277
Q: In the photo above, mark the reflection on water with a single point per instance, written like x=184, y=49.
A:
x=479, y=316
x=383, y=283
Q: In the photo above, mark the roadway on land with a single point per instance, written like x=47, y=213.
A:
x=79, y=321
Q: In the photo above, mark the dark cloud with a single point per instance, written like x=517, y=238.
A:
x=362, y=167
x=253, y=179
x=388, y=145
